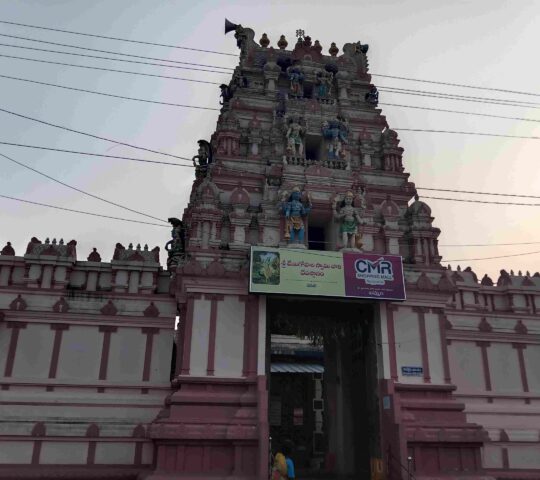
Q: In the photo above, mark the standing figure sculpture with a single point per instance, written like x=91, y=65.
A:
x=324, y=84
x=295, y=140
x=372, y=97
x=349, y=221
x=175, y=247
x=203, y=159
x=295, y=211
x=296, y=76
x=336, y=132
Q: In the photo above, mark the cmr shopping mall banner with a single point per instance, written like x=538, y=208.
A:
x=328, y=274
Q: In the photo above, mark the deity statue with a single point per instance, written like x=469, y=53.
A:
x=336, y=132
x=295, y=140
x=324, y=84
x=372, y=97
x=349, y=218
x=294, y=210
x=296, y=76
x=176, y=247
x=203, y=159
x=226, y=94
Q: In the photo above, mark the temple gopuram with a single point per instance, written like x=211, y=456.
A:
x=303, y=302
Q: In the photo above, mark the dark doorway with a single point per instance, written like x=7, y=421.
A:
x=316, y=238
x=323, y=395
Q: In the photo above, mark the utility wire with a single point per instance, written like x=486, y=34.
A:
x=111, y=52
x=116, y=38
x=95, y=154
x=94, y=92
x=81, y=211
x=117, y=142
x=484, y=201
x=465, y=133
x=460, y=112
x=491, y=258
x=476, y=87
x=428, y=92
x=50, y=62
x=489, y=244
x=461, y=85
x=382, y=88
x=107, y=70
x=78, y=189
x=113, y=59
x=478, y=193
x=447, y=97
x=216, y=109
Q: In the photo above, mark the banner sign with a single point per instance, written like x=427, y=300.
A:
x=329, y=274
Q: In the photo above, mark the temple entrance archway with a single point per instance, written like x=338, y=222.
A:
x=323, y=383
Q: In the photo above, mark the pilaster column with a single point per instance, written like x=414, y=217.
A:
x=421, y=312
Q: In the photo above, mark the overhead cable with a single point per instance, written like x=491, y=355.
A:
x=78, y=189
x=111, y=52
x=490, y=258
x=111, y=58
x=489, y=115
x=117, y=142
x=487, y=244
x=465, y=133
x=116, y=38
x=461, y=85
x=461, y=99
x=429, y=92
x=483, y=201
x=76, y=152
x=82, y=211
x=478, y=193
x=123, y=97
x=88, y=67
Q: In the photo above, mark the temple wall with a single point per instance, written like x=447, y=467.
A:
x=83, y=370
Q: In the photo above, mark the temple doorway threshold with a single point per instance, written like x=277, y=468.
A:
x=323, y=394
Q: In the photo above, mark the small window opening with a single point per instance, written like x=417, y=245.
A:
x=313, y=147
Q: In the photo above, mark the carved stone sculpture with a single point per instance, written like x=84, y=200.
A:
x=296, y=77
x=372, y=97
x=176, y=246
x=324, y=84
x=295, y=138
x=349, y=220
x=295, y=211
x=336, y=133
x=203, y=159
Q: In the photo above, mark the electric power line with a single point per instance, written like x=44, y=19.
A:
x=81, y=211
x=476, y=87
x=465, y=133
x=110, y=52
x=461, y=112
x=113, y=59
x=449, y=97
x=116, y=38
x=76, y=152
x=78, y=189
x=168, y=77
x=484, y=201
x=117, y=142
x=488, y=99
x=478, y=193
x=488, y=244
x=461, y=85
x=112, y=95
x=491, y=258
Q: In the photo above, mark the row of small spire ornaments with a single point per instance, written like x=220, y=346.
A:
x=305, y=41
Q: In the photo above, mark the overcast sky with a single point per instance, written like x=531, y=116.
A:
x=491, y=44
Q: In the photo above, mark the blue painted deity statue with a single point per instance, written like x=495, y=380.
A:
x=296, y=76
x=294, y=211
x=336, y=132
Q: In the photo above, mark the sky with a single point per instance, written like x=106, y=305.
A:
x=490, y=44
